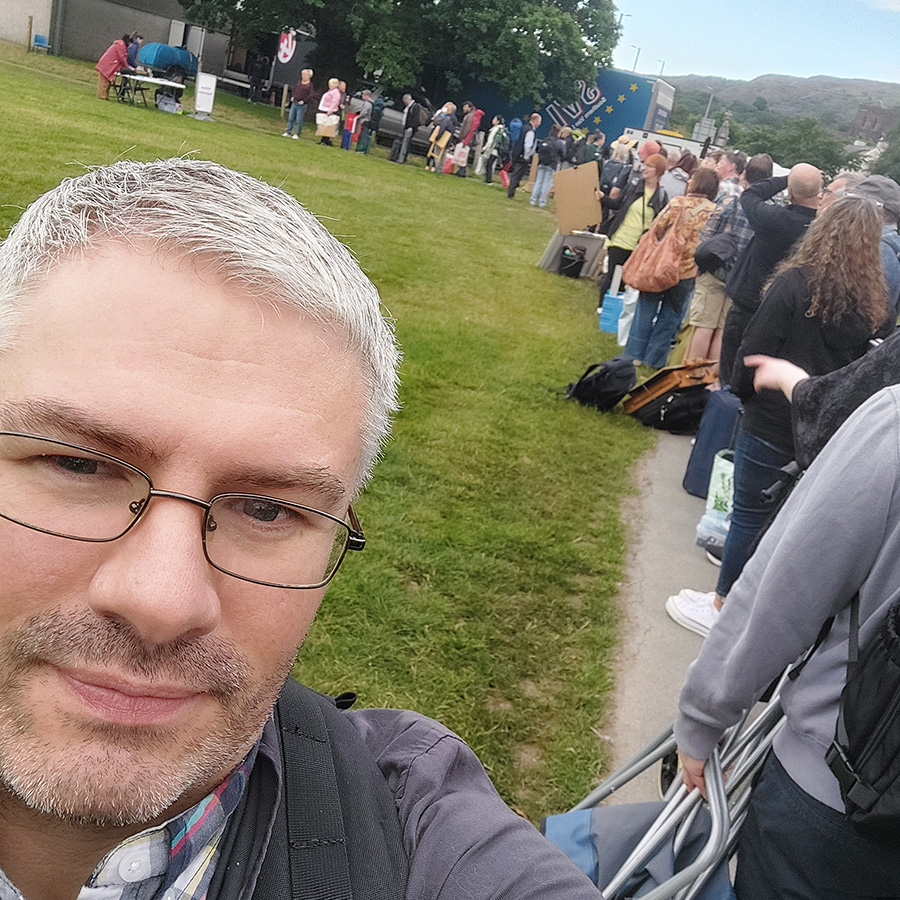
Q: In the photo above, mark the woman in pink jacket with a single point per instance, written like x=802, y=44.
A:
x=328, y=118
x=110, y=64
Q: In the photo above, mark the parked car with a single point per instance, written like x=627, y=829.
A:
x=391, y=122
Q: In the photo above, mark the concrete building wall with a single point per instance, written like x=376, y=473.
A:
x=14, y=20
x=83, y=29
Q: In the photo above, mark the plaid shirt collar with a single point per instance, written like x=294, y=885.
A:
x=172, y=861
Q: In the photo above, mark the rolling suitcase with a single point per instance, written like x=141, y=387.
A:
x=717, y=432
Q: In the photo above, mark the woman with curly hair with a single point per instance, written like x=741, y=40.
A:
x=823, y=305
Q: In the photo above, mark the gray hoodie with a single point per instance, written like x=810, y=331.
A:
x=838, y=533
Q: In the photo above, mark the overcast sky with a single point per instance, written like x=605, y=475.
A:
x=849, y=39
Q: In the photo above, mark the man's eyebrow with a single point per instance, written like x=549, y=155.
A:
x=66, y=421
x=320, y=483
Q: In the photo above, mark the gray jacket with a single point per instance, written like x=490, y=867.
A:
x=838, y=533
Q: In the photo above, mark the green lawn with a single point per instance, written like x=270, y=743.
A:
x=487, y=594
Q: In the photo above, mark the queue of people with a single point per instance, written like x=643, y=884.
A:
x=808, y=286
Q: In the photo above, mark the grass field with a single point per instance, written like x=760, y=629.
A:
x=486, y=596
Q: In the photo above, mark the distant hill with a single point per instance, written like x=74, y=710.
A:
x=834, y=101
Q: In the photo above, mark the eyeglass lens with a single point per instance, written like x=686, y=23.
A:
x=77, y=493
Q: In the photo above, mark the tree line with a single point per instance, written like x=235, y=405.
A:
x=529, y=49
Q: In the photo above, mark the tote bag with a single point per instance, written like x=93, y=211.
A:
x=655, y=264
x=461, y=155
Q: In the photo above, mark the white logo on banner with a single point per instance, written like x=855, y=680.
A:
x=286, y=46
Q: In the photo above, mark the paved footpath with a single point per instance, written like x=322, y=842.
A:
x=655, y=652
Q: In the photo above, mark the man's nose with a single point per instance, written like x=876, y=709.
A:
x=157, y=579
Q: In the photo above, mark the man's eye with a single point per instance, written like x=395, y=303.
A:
x=76, y=464
x=264, y=511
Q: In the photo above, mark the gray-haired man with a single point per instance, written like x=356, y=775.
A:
x=177, y=466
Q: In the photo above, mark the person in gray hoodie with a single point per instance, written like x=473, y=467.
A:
x=838, y=533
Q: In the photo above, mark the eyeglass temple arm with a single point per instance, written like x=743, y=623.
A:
x=357, y=540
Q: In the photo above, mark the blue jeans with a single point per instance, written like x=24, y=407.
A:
x=792, y=847
x=656, y=322
x=295, y=117
x=543, y=181
x=756, y=465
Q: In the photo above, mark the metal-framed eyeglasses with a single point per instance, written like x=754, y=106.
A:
x=74, y=492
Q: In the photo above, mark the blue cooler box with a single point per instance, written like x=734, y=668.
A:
x=609, y=314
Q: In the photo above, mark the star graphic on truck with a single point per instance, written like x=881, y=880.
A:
x=621, y=98
x=633, y=87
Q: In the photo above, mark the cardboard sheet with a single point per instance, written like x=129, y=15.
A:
x=576, y=205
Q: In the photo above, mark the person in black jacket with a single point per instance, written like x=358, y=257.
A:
x=631, y=212
x=825, y=303
x=522, y=150
x=775, y=230
x=412, y=113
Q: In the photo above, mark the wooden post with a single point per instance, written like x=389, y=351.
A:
x=30, y=27
x=284, y=99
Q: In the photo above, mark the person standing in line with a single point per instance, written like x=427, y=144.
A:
x=659, y=315
x=446, y=124
x=468, y=131
x=631, y=212
x=776, y=229
x=710, y=305
x=364, y=122
x=113, y=61
x=550, y=155
x=522, y=151
x=412, y=116
x=328, y=117
x=301, y=97
x=497, y=139
x=676, y=179
x=729, y=168
x=568, y=148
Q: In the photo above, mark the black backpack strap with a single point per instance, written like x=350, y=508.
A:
x=853, y=788
x=318, y=862
x=794, y=674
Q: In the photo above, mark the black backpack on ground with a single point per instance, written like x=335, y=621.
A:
x=865, y=753
x=604, y=384
x=678, y=411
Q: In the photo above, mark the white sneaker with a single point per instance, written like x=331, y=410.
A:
x=285, y=134
x=296, y=137
x=694, y=610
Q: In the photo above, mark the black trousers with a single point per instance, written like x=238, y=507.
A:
x=489, y=169
x=615, y=256
x=517, y=171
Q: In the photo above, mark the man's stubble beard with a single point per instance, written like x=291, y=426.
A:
x=122, y=775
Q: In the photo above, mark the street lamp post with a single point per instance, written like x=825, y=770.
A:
x=636, y=56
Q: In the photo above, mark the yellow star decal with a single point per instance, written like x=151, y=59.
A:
x=597, y=120
x=609, y=109
x=621, y=98
x=633, y=87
